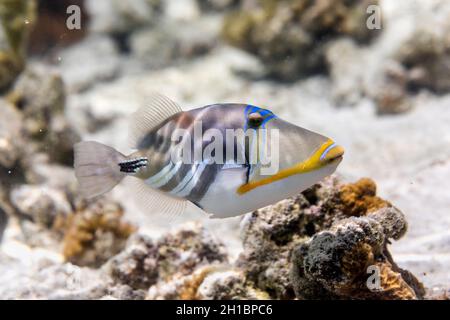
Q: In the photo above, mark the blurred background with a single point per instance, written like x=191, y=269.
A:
x=374, y=75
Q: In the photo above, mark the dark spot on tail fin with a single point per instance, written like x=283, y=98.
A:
x=133, y=165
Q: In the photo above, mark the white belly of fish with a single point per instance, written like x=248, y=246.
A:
x=222, y=199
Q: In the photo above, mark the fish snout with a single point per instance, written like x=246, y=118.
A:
x=332, y=153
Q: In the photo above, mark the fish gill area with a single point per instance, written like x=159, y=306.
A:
x=379, y=228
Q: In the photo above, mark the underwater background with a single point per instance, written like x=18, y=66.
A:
x=372, y=74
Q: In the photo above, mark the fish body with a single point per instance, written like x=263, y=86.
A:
x=227, y=159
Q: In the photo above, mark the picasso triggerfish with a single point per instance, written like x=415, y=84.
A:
x=226, y=159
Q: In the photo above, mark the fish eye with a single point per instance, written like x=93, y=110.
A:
x=255, y=120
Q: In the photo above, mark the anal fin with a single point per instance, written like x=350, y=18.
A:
x=155, y=202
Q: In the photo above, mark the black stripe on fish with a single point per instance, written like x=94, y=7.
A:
x=133, y=165
x=206, y=179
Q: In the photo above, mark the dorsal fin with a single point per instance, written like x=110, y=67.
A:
x=146, y=118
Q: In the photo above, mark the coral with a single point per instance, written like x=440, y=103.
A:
x=16, y=17
x=118, y=17
x=228, y=285
x=50, y=29
x=124, y=292
x=40, y=203
x=390, y=88
x=10, y=68
x=329, y=242
x=344, y=60
x=182, y=287
x=39, y=92
x=11, y=153
x=285, y=34
x=136, y=266
x=33, y=130
x=438, y=294
x=100, y=56
x=359, y=198
x=392, y=71
x=55, y=176
x=426, y=55
x=40, y=96
x=174, y=42
x=217, y=5
x=339, y=262
x=11, y=143
x=212, y=282
x=355, y=74
x=40, y=194
x=393, y=222
x=3, y=222
x=39, y=207
x=94, y=233
x=320, y=243
x=178, y=253
x=419, y=61
x=270, y=234
x=53, y=280
x=190, y=287
x=190, y=246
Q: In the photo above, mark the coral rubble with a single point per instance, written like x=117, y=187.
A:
x=329, y=242
x=118, y=17
x=335, y=262
x=41, y=204
x=94, y=233
x=229, y=285
x=16, y=17
x=217, y=5
x=145, y=262
x=320, y=243
x=426, y=55
x=10, y=134
x=39, y=94
x=290, y=37
x=207, y=283
x=51, y=30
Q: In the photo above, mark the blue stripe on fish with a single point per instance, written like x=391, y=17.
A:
x=249, y=109
x=264, y=112
x=267, y=119
x=324, y=154
x=253, y=109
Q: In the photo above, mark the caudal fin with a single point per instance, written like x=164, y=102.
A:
x=97, y=168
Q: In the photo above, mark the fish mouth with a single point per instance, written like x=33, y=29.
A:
x=332, y=153
x=328, y=153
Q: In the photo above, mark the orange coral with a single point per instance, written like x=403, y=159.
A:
x=191, y=285
x=359, y=198
x=356, y=260
x=94, y=233
x=393, y=286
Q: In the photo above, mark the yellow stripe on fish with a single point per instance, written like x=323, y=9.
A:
x=323, y=155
